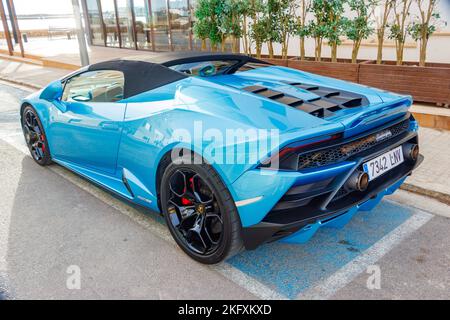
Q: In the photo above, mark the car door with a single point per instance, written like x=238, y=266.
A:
x=88, y=132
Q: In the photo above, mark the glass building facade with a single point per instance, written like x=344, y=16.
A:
x=156, y=25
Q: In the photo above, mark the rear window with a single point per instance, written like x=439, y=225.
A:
x=205, y=68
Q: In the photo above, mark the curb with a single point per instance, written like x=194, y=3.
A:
x=22, y=83
x=441, y=197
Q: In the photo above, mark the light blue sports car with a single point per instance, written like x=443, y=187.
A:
x=232, y=151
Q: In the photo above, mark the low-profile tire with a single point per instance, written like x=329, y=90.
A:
x=188, y=206
x=35, y=137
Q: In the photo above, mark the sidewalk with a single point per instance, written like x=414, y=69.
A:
x=432, y=178
x=63, y=53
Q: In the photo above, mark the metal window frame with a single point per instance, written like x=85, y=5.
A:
x=134, y=30
x=6, y=29
x=15, y=23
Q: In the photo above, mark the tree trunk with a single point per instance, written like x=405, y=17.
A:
x=334, y=52
x=423, y=52
x=400, y=47
x=355, y=51
x=235, y=45
x=284, y=51
x=302, y=48
x=380, y=48
x=258, y=50
x=222, y=44
x=203, y=44
x=214, y=47
x=270, y=48
x=318, y=50
x=244, y=35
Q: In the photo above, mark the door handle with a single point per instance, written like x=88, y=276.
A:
x=112, y=126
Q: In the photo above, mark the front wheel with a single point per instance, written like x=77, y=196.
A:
x=200, y=212
x=35, y=138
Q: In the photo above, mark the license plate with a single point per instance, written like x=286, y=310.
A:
x=381, y=164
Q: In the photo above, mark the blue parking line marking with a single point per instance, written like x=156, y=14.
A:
x=290, y=269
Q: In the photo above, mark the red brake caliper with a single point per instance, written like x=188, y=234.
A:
x=186, y=201
x=43, y=142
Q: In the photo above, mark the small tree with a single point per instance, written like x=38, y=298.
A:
x=424, y=26
x=206, y=26
x=286, y=24
x=270, y=18
x=382, y=19
x=258, y=27
x=203, y=22
x=334, y=10
x=359, y=28
x=301, y=28
x=400, y=27
x=245, y=10
x=317, y=28
x=229, y=17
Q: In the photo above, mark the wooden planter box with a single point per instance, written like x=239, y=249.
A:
x=425, y=84
x=340, y=70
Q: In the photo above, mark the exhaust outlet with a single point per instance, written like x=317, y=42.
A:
x=411, y=151
x=358, y=181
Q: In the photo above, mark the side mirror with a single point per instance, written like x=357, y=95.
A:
x=53, y=93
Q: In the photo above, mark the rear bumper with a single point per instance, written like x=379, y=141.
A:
x=297, y=218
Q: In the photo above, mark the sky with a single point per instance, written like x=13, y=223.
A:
x=43, y=6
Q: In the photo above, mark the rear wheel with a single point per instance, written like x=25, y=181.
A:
x=200, y=212
x=35, y=136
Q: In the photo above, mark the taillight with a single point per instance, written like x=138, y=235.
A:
x=291, y=149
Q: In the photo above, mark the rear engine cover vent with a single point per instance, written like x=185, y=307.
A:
x=328, y=102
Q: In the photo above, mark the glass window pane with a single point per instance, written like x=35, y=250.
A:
x=95, y=86
x=109, y=19
x=160, y=25
x=126, y=23
x=95, y=22
x=205, y=68
x=143, y=24
x=180, y=24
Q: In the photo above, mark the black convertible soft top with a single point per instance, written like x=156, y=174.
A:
x=144, y=73
x=140, y=76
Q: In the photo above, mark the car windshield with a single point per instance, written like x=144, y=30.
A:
x=205, y=68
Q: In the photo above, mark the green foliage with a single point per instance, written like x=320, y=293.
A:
x=419, y=28
x=258, y=26
x=317, y=28
x=329, y=22
x=206, y=26
x=359, y=27
x=229, y=17
x=301, y=28
x=217, y=20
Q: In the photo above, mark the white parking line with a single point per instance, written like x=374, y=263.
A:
x=328, y=287
x=225, y=269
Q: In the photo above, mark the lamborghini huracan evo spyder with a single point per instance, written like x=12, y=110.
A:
x=340, y=147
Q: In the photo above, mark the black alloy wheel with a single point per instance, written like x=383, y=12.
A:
x=200, y=213
x=35, y=136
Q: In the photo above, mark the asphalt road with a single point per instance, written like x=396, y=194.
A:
x=63, y=238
